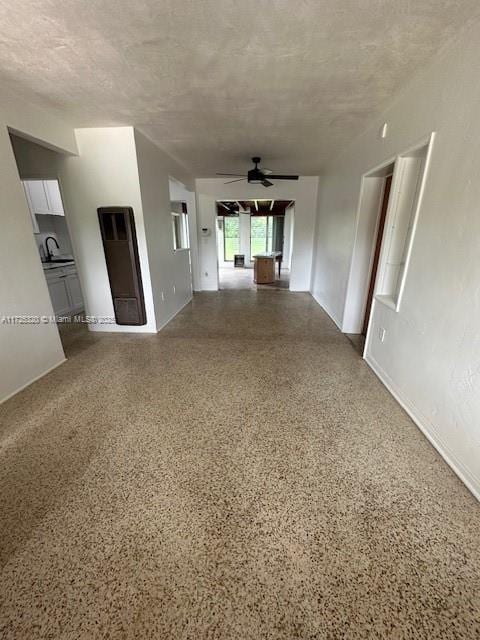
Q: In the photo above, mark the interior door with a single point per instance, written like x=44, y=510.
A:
x=376, y=255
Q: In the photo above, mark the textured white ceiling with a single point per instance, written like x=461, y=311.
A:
x=216, y=81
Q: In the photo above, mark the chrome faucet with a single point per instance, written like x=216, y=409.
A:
x=49, y=254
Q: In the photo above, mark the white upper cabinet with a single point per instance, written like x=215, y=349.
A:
x=36, y=196
x=44, y=197
x=52, y=189
x=30, y=207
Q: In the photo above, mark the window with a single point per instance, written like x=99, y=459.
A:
x=261, y=234
x=231, y=237
x=180, y=225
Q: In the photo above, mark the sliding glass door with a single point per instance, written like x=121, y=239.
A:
x=261, y=234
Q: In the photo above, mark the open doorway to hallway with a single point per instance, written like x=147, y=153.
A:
x=254, y=243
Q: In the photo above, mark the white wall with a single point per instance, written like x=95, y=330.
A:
x=34, y=160
x=179, y=192
x=120, y=166
x=169, y=270
x=244, y=220
x=303, y=191
x=430, y=356
x=27, y=351
x=104, y=173
x=362, y=259
x=288, y=236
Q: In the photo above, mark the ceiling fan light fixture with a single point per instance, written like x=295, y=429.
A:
x=259, y=176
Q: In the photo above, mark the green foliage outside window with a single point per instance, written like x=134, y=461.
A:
x=261, y=230
x=231, y=238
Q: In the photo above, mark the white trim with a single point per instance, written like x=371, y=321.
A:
x=164, y=324
x=428, y=429
x=388, y=301
x=355, y=241
x=361, y=317
x=390, y=219
x=421, y=190
x=27, y=384
x=423, y=142
x=392, y=212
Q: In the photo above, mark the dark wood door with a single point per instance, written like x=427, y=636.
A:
x=376, y=255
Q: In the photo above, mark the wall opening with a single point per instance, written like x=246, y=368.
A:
x=384, y=235
x=38, y=169
x=248, y=229
x=398, y=237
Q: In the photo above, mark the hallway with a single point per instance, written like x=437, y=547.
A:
x=240, y=475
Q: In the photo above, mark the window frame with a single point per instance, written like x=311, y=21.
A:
x=180, y=229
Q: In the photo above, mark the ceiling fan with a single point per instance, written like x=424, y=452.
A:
x=257, y=175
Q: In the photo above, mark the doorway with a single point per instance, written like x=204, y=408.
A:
x=38, y=169
x=378, y=247
x=249, y=228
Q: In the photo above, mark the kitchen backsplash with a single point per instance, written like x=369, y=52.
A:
x=53, y=226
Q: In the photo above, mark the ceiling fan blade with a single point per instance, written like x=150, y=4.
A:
x=238, y=180
x=232, y=175
x=282, y=177
x=267, y=183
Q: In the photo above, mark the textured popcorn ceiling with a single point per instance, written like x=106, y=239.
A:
x=216, y=81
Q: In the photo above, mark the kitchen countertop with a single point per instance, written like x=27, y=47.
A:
x=268, y=254
x=55, y=265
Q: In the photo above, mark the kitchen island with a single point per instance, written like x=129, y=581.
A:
x=264, y=268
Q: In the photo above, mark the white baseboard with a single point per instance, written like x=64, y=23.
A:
x=121, y=328
x=27, y=384
x=428, y=430
x=326, y=309
x=170, y=318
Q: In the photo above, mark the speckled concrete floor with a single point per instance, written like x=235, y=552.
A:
x=242, y=475
x=242, y=278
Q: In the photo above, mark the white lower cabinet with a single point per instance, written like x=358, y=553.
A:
x=74, y=292
x=65, y=291
x=59, y=295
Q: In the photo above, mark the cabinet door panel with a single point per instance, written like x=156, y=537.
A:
x=59, y=295
x=75, y=292
x=54, y=197
x=30, y=208
x=38, y=196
